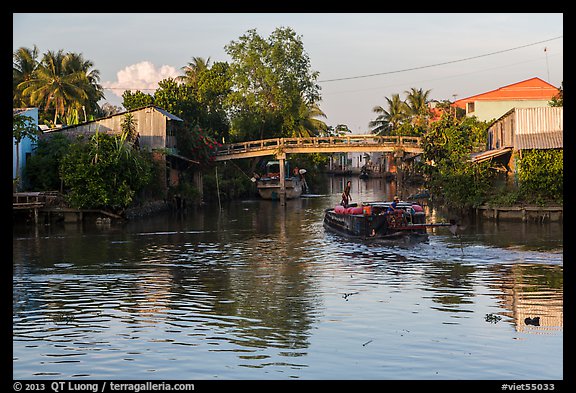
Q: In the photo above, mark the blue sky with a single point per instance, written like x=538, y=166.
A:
x=137, y=50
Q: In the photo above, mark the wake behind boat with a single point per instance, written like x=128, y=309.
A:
x=377, y=220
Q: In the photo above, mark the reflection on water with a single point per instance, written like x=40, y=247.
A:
x=261, y=291
x=532, y=291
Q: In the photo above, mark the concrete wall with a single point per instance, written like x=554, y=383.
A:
x=524, y=213
x=492, y=110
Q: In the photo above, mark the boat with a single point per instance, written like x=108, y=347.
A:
x=373, y=221
x=268, y=185
x=422, y=194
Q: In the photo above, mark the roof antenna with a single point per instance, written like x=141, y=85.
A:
x=547, y=68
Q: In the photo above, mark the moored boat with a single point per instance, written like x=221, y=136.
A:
x=269, y=184
x=374, y=220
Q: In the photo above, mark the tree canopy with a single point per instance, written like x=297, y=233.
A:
x=63, y=84
x=274, y=87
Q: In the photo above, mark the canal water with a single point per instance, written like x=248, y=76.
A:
x=260, y=291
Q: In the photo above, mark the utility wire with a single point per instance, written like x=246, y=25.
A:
x=438, y=64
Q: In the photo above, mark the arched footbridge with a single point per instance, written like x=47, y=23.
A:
x=279, y=147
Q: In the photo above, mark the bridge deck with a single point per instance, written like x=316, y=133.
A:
x=333, y=144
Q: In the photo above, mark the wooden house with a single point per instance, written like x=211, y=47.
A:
x=155, y=128
x=522, y=129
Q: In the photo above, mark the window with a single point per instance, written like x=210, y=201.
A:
x=470, y=107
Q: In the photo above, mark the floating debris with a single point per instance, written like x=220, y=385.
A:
x=492, y=318
x=345, y=296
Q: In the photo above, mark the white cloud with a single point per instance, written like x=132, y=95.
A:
x=143, y=76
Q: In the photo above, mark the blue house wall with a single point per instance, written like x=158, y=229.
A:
x=26, y=145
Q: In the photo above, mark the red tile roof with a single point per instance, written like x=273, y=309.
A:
x=529, y=89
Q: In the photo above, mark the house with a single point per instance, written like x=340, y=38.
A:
x=351, y=163
x=156, y=130
x=493, y=104
x=522, y=129
x=154, y=125
x=22, y=151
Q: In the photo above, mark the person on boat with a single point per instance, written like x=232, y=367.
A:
x=346, y=198
x=392, y=207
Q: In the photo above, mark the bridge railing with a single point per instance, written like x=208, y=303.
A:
x=354, y=140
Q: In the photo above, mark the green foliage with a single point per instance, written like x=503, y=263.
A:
x=62, y=83
x=452, y=178
x=186, y=189
x=136, y=100
x=541, y=174
x=23, y=127
x=213, y=87
x=178, y=99
x=231, y=185
x=403, y=117
x=195, y=144
x=408, y=129
x=558, y=99
x=104, y=173
x=42, y=167
x=128, y=126
x=155, y=188
x=272, y=80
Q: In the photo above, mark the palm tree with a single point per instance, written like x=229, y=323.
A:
x=75, y=63
x=389, y=120
x=55, y=85
x=308, y=124
x=417, y=102
x=193, y=70
x=24, y=63
x=342, y=129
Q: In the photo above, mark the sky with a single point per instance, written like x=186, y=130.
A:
x=362, y=58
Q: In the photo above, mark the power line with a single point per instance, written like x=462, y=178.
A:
x=127, y=88
x=429, y=80
x=438, y=64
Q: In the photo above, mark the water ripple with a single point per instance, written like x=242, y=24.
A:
x=241, y=294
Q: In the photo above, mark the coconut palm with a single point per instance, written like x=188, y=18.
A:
x=193, y=70
x=417, y=102
x=53, y=86
x=309, y=125
x=388, y=120
x=75, y=63
x=24, y=63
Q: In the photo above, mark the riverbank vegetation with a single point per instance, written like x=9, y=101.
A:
x=267, y=90
x=449, y=139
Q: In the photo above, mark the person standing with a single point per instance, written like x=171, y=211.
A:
x=346, y=198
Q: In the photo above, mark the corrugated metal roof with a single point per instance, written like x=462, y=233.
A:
x=489, y=154
x=156, y=108
x=168, y=114
x=540, y=140
x=17, y=111
x=539, y=128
